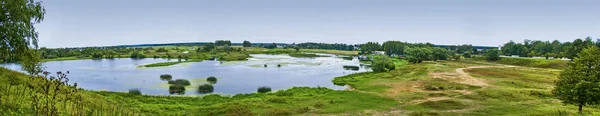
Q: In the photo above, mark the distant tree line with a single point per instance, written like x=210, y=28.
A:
x=335, y=46
x=538, y=48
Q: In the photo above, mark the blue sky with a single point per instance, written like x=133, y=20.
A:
x=76, y=23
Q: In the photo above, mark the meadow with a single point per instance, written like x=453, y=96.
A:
x=457, y=87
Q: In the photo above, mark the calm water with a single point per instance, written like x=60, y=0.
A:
x=233, y=77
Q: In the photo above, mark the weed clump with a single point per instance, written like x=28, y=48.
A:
x=206, y=88
x=264, y=89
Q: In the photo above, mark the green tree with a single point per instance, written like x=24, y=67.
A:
x=222, y=42
x=369, y=47
x=579, y=84
x=17, y=20
x=382, y=64
x=209, y=46
x=467, y=54
x=393, y=47
x=418, y=55
x=439, y=54
x=247, y=44
x=492, y=55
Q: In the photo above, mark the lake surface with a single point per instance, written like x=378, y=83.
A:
x=233, y=77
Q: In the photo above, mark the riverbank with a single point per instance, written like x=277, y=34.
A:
x=464, y=87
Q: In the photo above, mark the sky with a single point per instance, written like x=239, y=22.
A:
x=79, y=23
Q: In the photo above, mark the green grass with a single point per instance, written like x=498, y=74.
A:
x=531, y=62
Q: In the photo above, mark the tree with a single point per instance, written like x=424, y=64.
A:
x=393, y=47
x=439, y=54
x=247, y=44
x=297, y=49
x=222, y=42
x=382, y=64
x=209, y=46
x=579, y=84
x=418, y=55
x=492, y=55
x=467, y=55
x=369, y=47
x=17, y=31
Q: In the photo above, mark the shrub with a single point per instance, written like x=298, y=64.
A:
x=264, y=89
x=166, y=77
x=467, y=55
x=181, y=82
x=135, y=92
x=176, y=89
x=162, y=50
x=206, y=88
x=492, y=55
x=237, y=109
x=212, y=79
x=382, y=64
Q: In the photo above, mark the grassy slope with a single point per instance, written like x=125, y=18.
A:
x=532, y=62
x=512, y=91
x=409, y=88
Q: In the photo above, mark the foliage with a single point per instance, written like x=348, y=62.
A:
x=393, y=47
x=135, y=92
x=467, y=55
x=492, y=55
x=180, y=82
x=247, y=44
x=534, y=62
x=439, y=54
x=17, y=20
x=208, y=47
x=369, y=47
x=418, y=55
x=325, y=46
x=537, y=48
x=347, y=67
x=166, y=77
x=137, y=54
x=205, y=88
x=176, y=89
x=212, y=79
x=264, y=89
x=222, y=43
x=579, y=84
x=382, y=64
x=162, y=49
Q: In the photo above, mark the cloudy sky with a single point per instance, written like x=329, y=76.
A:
x=76, y=23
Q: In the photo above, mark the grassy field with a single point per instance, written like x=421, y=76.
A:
x=463, y=87
x=532, y=62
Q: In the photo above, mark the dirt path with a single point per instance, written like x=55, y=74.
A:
x=460, y=76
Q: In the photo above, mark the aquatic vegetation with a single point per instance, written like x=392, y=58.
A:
x=166, y=77
x=211, y=79
x=347, y=67
x=181, y=82
x=264, y=89
x=205, y=88
x=303, y=55
x=135, y=92
x=177, y=89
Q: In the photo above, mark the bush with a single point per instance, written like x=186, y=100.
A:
x=181, y=82
x=206, y=88
x=135, y=92
x=351, y=67
x=212, y=79
x=176, y=89
x=382, y=64
x=492, y=55
x=467, y=55
x=264, y=89
x=166, y=77
x=162, y=50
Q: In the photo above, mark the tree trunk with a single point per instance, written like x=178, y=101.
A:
x=580, y=108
